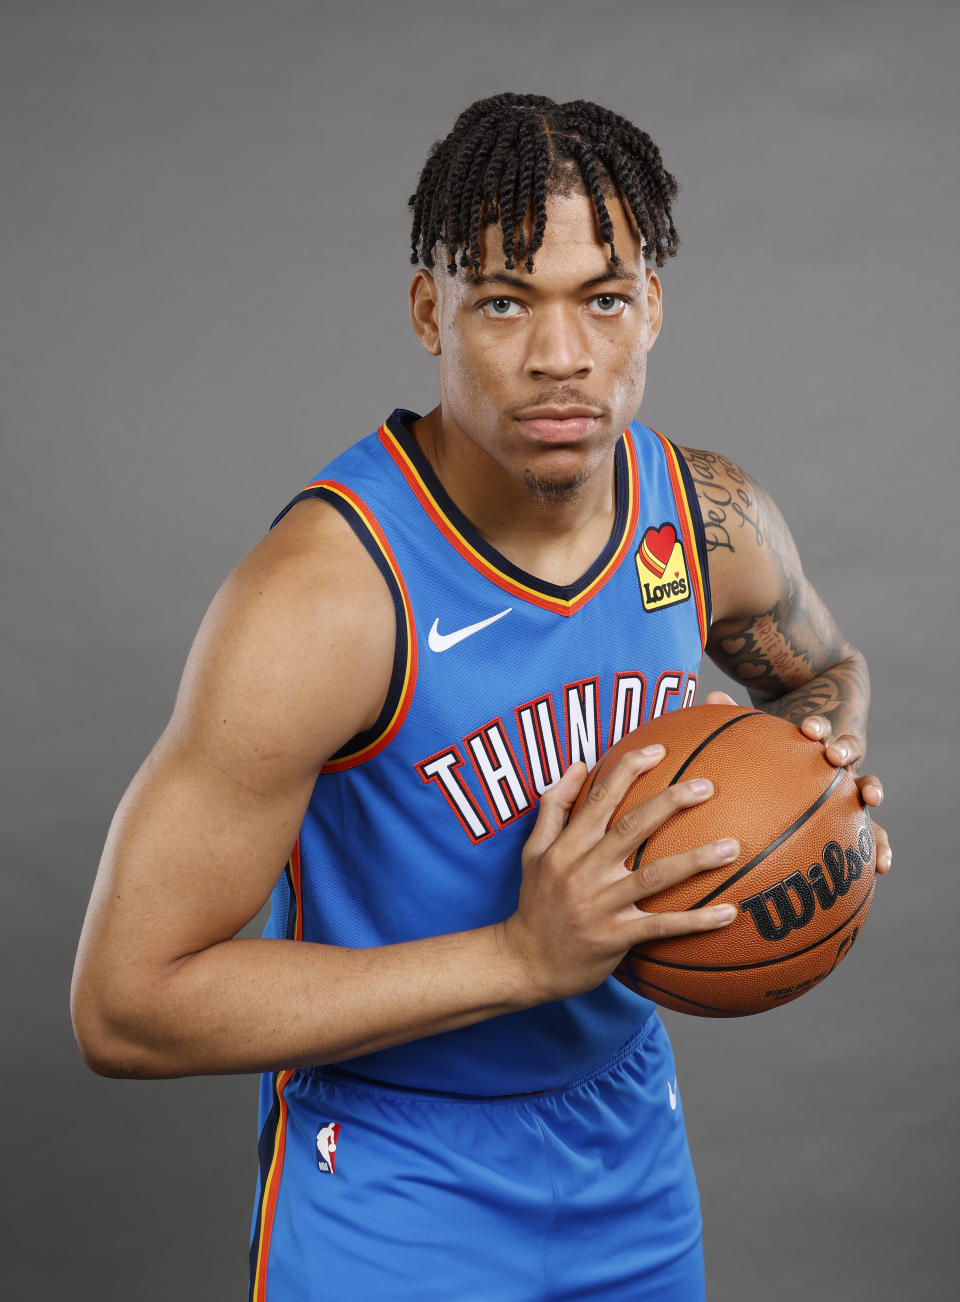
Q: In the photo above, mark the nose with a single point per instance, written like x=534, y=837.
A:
x=558, y=344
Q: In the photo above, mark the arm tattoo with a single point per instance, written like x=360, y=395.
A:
x=840, y=694
x=769, y=654
x=728, y=499
x=791, y=657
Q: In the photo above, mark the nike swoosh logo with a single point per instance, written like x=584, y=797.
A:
x=672, y=1091
x=438, y=641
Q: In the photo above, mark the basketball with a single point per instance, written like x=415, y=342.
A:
x=802, y=883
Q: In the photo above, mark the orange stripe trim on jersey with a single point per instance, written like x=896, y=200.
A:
x=271, y=1185
x=271, y=1190
x=690, y=551
x=410, y=670
x=294, y=865
x=490, y=571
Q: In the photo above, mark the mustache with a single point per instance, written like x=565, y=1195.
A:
x=565, y=397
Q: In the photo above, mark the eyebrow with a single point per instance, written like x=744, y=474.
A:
x=520, y=282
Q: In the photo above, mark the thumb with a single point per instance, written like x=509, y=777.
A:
x=718, y=698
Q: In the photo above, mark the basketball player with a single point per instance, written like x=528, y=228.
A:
x=397, y=696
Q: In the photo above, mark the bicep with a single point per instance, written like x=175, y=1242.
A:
x=191, y=856
x=291, y=661
x=771, y=631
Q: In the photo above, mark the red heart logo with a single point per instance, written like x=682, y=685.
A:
x=657, y=546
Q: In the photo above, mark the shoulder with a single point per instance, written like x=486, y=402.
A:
x=722, y=487
x=751, y=555
x=310, y=568
x=296, y=650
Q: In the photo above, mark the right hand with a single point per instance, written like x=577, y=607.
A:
x=580, y=910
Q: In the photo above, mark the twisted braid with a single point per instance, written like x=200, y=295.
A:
x=591, y=175
x=508, y=153
x=472, y=206
x=508, y=188
x=525, y=155
x=538, y=179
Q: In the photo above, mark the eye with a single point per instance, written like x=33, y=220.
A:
x=609, y=304
x=500, y=307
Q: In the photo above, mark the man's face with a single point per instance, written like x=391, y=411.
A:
x=540, y=373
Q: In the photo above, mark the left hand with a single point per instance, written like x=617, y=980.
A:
x=839, y=751
x=848, y=750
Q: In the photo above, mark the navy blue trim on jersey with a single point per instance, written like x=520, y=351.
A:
x=302, y=497
x=395, y=690
x=293, y=904
x=399, y=425
x=699, y=533
x=265, y=1145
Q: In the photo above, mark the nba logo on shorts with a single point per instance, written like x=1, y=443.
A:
x=327, y=1146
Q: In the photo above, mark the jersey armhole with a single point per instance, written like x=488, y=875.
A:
x=364, y=745
x=699, y=533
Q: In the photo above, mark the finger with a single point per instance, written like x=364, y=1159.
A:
x=658, y=874
x=818, y=727
x=844, y=750
x=555, y=806
x=607, y=785
x=884, y=853
x=643, y=820
x=718, y=698
x=658, y=926
x=871, y=789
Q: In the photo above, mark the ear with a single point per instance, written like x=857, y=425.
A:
x=425, y=311
x=654, y=306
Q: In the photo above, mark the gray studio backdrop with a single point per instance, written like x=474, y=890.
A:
x=204, y=237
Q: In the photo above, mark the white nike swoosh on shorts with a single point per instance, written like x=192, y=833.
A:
x=438, y=641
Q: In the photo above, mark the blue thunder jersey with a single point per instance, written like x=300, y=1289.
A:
x=500, y=681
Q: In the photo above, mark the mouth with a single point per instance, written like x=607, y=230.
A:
x=559, y=424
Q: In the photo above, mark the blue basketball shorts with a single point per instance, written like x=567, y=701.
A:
x=587, y=1191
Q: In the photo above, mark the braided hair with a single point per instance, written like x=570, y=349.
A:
x=507, y=154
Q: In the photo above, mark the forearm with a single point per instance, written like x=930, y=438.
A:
x=840, y=694
x=249, y=1005
x=771, y=631
x=163, y=986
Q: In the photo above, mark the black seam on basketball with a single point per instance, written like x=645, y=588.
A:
x=747, y=714
x=624, y=972
x=595, y=774
x=763, y=962
x=683, y=998
x=774, y=845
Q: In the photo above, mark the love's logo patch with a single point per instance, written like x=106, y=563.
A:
x=662, y=568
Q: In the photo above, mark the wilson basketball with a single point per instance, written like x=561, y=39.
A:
x=803, y=881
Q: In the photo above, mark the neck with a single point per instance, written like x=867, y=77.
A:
x=557, y=541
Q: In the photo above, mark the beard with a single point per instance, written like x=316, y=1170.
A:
x=547, y=491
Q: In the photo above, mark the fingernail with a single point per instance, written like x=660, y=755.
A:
x=725, y=912
x=727, y=849
x=815, y=726
x=843, y=752
x=877, y=792
x=700, y=787
x=653, y=750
